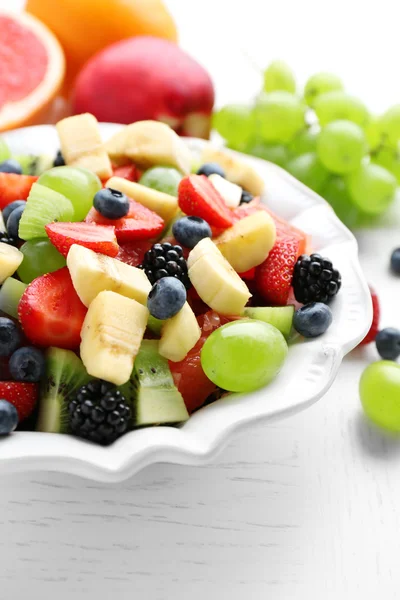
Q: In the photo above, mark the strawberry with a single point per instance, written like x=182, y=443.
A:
x=22, y=395
x=249, y=275
x=371, y=335
x=132, y=253
x=274, y=275
x=140, y=223
x=129, y=172
x=100, y=238
x=14, y=187
x=198, y=197
x=50, y=311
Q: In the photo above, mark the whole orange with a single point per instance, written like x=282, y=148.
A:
x=86, y=26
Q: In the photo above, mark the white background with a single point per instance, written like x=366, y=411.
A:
x=305, y=509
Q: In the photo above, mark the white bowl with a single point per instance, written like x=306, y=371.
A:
x=308, y=373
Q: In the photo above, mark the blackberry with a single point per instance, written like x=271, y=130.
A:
x=59, y=160
x=246, y=197
x=165, y=260
x=99, y=413
x=7, y=239
x=315, y=279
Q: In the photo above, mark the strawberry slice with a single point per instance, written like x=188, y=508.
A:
x=198, y=197
x=274, y=275
x=129, y=172
x=249, y=275
x=132, y=253
x=14, y=187
x=50, y=311
x=22, y=395
x=371, y=335
x=100, y=238
x=139, y=224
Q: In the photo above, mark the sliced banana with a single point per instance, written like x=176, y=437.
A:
x=163, y=204
x=179, y=334
x=10, y=259
x=235, y=169
x=231, y=192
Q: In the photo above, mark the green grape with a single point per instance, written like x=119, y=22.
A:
x=40, y=257
x=4, y=150
x=275, y=153
x=279, y=116
x=380, y=394
x=305, y=141
x=308, y=169
x=390, y=126
x=235, y=123
x=163, y=179
x=321, y=83
x=336, y=193
x=389, y=159
x=278, y=76
x=77, y=184
x=341, y=146
x=373, y=132
x=372, y=188
x=243, y=355
x=335, y=106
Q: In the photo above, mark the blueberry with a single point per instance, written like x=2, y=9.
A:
x=210, y=168
x=312, y=319
x=8, y=417
x=59, y=160
x=13, y=221
x=7, y=210
x=110, y=203
x=10, y=336
x=27, y=364
x=166, y=298
x=395, y=261
x=246, y=197
x=388, y=343
x=11, y=166
x=188, y=231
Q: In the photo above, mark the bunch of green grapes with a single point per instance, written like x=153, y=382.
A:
x=325, y=137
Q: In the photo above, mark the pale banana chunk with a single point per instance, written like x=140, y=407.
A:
x=179, y=334
x=231, y=192
x=10, y=259
x=235, y=169
x=163, y=204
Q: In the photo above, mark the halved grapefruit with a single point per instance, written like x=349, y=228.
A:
x=32, y=67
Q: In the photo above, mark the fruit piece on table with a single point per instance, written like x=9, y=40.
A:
x=50, y=311
x=371, y=335
x=341, y=146
x=151, y=390
x=338, y=106
x=216, y=282
x=10, y=259
x=111, y=336
x=308, y=169
x=92, y=273
x=10, y=295
x=236, y=170
x=179, y=334
x=235, y=123
x=230, y=192
x=8, y=417
x=198, y=197
x=163, y=179
x=279, y=76
x=21, y=395
x=43, y=206
x=40, y=257
x=388, y=343
x=274, y=275
x=280, y=317
x=163, y=204
x=372, y=188
x=380, y=394
x=279, y=117
x=98, y=238
x=312, y=320
x=14, y=187
x=178, y=91
x=389, y=125
x=82, y=146
x=32, y=70
x=248, y=242
x=321, y=83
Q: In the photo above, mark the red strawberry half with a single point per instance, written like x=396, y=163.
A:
x=274, y=275
x=132, y=253
x=139, y=224
x=22, y=395
x=50, y=311
x=371, y=335
x=14, y=187
x=100, y=238
x=129, y=172
x=198, y=197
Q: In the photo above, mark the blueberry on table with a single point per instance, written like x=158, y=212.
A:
x=27, y=364
x=188, y=231
x=8, y=417
x=110, y=203
x=312, y=319
x=10, y=336
x=388, y=343
x=166, y=298
x=210, y=168
x=13, y=222
x=11, y=166
x=7, y=210
x=395, y=261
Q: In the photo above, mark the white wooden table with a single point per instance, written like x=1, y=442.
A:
x=307, y=508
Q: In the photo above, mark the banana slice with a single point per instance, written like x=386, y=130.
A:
x=10, y=259
x=163, y=204
x=236, y=170
x=179, y=334
x=231, y=192
x=148, y=143
x=82, y=146
x=91, y=273
x=111, y=336
x=248, y=242
x=217, y=284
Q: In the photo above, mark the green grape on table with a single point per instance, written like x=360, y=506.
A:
x=341, y=146
x=163, y=179
x=321, y=83
x=40, y=257
x=308, y=169
x=275, y=153
x=372, y=188
x=380, y=394
x=336, y=193
x=278, y=76
x=334, y=106
x=5, y=153
x=243, y=355
x=305, y=141
x=235, y=123
x=75, y=183
x=389, y=158
x=279, y=116
x=373, y=132
x=390, y=126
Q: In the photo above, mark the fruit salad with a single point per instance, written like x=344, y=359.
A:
x=137, y=287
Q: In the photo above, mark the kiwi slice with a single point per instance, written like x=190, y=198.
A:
x=10, y=295
x=65, y=374
x=155, y=325
x=32, y=164
x=280, y=317
x=43, y=206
